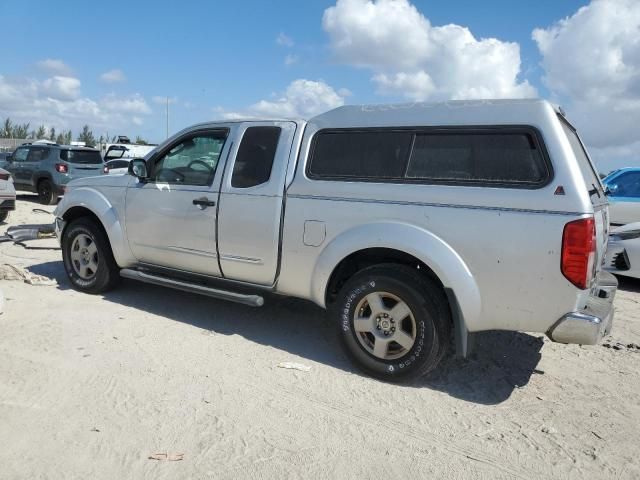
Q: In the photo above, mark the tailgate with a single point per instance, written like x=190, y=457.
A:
x=83, y=162
x=79, y=170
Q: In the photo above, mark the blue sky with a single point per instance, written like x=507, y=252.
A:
x=219, y=58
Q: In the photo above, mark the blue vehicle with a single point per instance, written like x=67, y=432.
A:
x=624, y=195
x=46, y=167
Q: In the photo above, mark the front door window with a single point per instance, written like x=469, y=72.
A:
x=192, y=161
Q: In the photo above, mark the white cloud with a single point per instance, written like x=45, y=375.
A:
x=417, y=86
x=411, y=57
x=58, y=101
x=592, y=66
x=61, y=88
x=129, y=104
x=291, y=59
x=113, y=76
x=302, y=99
x=54, y=66
x=284, y=40
x=160, y=100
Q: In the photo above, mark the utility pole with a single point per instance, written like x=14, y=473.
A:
x=167, y=117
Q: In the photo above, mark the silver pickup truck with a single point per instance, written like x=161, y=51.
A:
x=414, y=225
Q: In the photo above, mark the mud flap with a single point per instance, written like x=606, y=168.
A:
x=463, y=339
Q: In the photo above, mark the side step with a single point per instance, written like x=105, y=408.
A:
x=251, y=300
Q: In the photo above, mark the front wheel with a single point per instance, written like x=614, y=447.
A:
x=394, y=323
x=87, y=257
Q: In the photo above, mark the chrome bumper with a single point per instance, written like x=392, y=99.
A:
x=589, y=325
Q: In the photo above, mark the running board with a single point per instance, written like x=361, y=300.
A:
x=251, y=300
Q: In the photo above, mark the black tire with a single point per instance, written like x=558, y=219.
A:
x=107, y=273
x=4, y=214
x=430, y=319
x=46, y=193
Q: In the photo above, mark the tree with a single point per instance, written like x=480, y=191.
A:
x=140, y=140
x=41, y=132
x=21, y=131
x=67, y=137
x=87, y=137
x=60, y=139
x=7, y=128
x=52, y=134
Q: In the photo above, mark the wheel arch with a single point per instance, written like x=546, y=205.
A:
x=391, y=242
x=84, y=202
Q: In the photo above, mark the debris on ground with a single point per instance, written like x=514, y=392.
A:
x=294, y=366
x=169, y=457
x=619, y=346
x=19, y=234
x=14, y=272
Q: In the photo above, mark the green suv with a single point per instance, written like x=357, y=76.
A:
x=46, y=168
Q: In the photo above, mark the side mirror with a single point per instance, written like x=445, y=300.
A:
x=138, y=168
x=611, y=189
x=9, y=159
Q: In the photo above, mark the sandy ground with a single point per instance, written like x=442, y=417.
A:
x=91, y=386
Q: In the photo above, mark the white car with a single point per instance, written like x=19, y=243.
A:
x=117, y=167
x=623, y=252
x=7, y=195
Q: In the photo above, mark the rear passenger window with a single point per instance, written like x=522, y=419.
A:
x=369, y=155
x=254, y=160
x=453, y=156
x=509, y=158
x=37, y=153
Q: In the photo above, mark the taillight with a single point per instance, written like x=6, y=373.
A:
x=579, y=251
x=62, y=168
x=5, y=176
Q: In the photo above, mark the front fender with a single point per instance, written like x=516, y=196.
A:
x=107, y=213
x=422, y=244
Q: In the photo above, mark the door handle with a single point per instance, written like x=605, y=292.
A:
x=204, y=202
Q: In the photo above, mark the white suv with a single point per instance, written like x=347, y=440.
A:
x=7, y=195
x=415, y=225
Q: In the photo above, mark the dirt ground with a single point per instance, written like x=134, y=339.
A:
x=91, y=386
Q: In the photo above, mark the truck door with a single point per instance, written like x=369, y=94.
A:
x=171, y=218
x=251, y=201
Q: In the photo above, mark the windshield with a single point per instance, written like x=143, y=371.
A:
x=81, y=156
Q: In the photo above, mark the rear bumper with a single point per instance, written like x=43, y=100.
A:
x=590, y=324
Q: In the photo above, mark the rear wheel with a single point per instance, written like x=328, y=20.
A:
x=87, y=257
x=46, y=193
x=3, y=215
x=394, y=323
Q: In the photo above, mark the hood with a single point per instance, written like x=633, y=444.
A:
x=101, y=181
